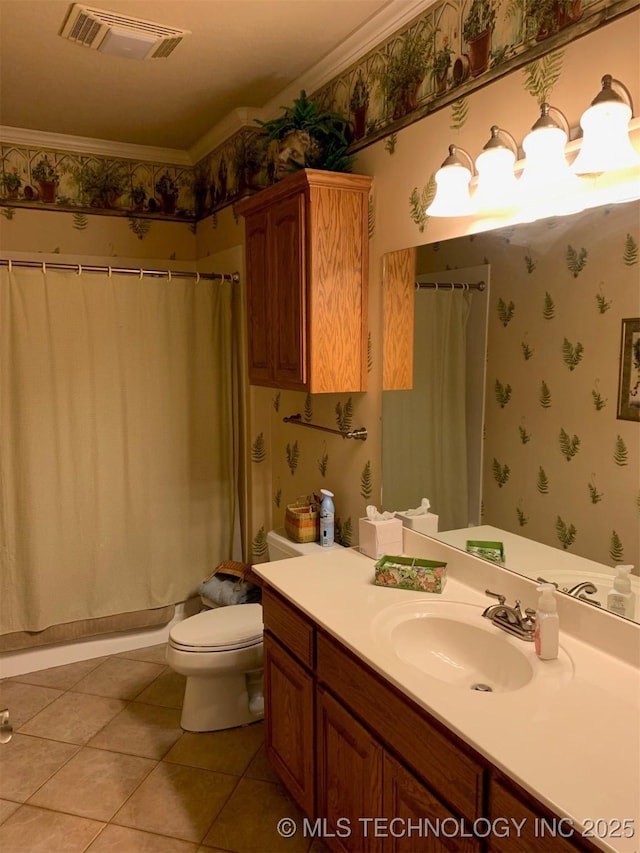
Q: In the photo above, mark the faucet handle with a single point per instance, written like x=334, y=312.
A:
x=501, y=598
x=530, y=617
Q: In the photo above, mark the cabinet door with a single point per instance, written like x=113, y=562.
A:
x=289, y=732
x=288, y=282
x=408, y=805
x=526, y=828
x=349, y=778
x=258, y=299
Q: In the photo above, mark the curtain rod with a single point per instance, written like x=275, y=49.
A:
x=80, y=268
x=450, y=285
x=359, y=434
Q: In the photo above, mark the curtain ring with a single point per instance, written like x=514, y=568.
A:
x=79, y=269
x=44, y=268
x=197, y=278
x=9, y=264
x=141, y=276
x=169, y=275
x=109, y=272
x=436, y=285
x=453, y=287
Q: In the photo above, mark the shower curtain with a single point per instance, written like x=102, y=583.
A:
x=118, y=442
x=424, y=444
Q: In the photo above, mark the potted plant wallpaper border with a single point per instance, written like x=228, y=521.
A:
x=446, y=53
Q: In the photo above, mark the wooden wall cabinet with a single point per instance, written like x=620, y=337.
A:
x=307, y=253
x=351, y=748
x=398, y=310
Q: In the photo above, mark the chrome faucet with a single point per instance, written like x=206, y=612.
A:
x=511, y=619
x=582, y=591
x=583, y=586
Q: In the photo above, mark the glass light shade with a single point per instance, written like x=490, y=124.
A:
x=452, y=194
x=547, y=186
x=605, y=142
x=497, y=186
x=617, y=186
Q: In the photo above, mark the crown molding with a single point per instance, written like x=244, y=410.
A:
x=230, y=124
x=87, y=145
x=376, y=31
x=358, y=44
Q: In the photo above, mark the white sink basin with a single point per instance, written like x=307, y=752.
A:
x=452, y=642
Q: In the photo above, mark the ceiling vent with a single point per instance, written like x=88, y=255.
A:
x=120, y=35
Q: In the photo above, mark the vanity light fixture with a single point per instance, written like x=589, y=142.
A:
x=605, y=125
x=547, y=186
x=497, y=185
x=452, y=186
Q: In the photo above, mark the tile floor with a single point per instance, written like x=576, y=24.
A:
x=98, y=763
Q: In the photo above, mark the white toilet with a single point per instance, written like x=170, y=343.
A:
x=280, y=547
x=220, y=653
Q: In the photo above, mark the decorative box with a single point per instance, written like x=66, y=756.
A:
x=411, y=573
x=493, y=551
x=380, y=537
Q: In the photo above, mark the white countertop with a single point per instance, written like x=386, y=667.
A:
x=573, y=743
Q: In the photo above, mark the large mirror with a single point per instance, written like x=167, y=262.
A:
x=529, y=430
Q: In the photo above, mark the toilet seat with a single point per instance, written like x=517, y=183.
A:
x=238, y=626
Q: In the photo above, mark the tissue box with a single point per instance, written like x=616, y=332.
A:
x=380, y=537
x=493, y=551
x=411, y=573
x=426, y=523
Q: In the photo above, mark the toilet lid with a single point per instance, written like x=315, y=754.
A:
x=234, y=627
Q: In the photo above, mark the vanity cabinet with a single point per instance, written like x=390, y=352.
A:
x=540, y=829
x=406, y=798
x=352, y=748
x=306, y=247
x=289, y=735
x=349, y=775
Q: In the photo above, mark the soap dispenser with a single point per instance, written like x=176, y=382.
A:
x=547, y=623
x=620, y=599
x=327, y=518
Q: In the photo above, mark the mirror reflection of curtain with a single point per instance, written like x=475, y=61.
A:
x=118, y=442
x=424, y=450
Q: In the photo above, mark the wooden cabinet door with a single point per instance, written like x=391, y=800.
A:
x=289, y=723
x=258, y=299
x=408, y=804
x=530, y=827
x=349, y=778
x=288, y=282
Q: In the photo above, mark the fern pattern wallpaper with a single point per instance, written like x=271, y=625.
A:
x=559, y=466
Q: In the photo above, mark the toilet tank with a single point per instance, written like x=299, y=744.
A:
x=280, y=547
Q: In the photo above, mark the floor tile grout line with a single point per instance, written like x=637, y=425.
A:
x=163, y=759
x=220, y=810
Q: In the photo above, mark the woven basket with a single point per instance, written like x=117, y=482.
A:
x=301, y=520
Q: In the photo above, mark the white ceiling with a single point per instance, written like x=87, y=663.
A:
x=241, y=53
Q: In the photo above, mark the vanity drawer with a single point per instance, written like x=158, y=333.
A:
x=292, y=629
x=407, y=730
